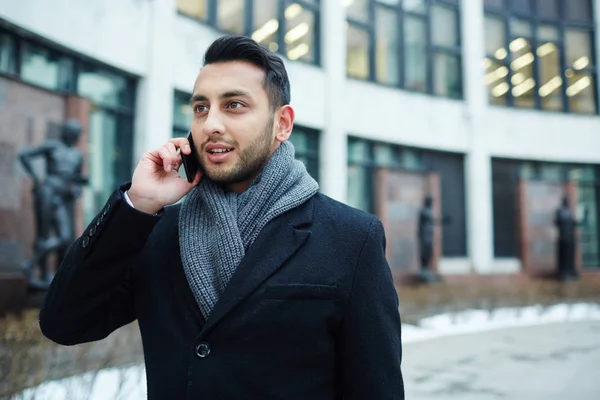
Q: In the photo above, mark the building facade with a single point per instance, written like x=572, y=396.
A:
x=491, y=105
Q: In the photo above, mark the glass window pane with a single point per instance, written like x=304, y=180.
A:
x=579, y=10
x=357, y=9
x=519, y=27
x=446, y=75
x=444, y=31
x=412, y=159
x=7, y=54
x=494, y=4
x=358, y=187
x=384, y=155
x=182, y=111
x=548, y=54
x=104, y=87
x=265, y=24
x=358, y=151
x=230, y=15
x=300, y=141
x=548, y=9
x=496, y=80
x=42, y=67
x=416, y=6
x=581, y=93
x=522, y=7
x=300, y=35
x=495, y=35
x=521, y=67
x=386, y=46
x=193, y=8
x=357, y=52
x=578, y=46
x=415, y=54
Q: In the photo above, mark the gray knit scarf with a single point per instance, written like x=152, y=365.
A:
x=216, y=226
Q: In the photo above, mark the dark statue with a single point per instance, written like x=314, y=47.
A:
x=54, y=199
x=426, y=239
x=566, y=225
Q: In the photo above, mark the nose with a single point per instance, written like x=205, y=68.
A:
x=213, y=125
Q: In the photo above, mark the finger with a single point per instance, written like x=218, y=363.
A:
x=167, y=158
x=181, y=143
x=175, y=156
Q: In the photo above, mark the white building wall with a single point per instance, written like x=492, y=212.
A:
x=112, y=31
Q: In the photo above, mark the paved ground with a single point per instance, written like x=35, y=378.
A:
x=549, y=362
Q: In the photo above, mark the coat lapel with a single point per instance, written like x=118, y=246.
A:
x=276, y=243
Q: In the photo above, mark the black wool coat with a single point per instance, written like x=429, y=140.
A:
x=311, y=312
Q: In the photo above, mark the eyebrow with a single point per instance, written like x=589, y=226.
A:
x=226, y=95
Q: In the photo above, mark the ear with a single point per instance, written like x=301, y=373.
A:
x=285, y=123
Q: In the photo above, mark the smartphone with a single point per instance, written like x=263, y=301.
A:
x=190, y=161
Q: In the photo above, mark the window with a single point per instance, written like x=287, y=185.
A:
x=364, y=156
x=539, y=54
x=7, y=54
x=290, y=28
x=182, y=114
x=411, y=44
x=306, y=144
x=43, y=67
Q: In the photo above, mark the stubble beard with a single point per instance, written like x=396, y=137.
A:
x=251, y=160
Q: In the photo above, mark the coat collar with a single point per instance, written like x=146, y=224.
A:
x=276, y=243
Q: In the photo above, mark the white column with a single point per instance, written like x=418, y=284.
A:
x=333, y=144
x=478, y=162
x=154, y=109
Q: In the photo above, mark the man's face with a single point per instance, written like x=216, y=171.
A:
x=233, y=122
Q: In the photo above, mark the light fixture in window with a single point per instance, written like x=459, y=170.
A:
x=523, y=87
x=581, y=63
x=269, y=28
x=500, y=90
x=569, y=73
x=517, y=78
x=578, y=86
x=273, y=46
x=293, y=11
x=487, y=63
x=550, y=86
x=496, y=74
x=522, y=61
x=545, y=49
x=298, y=51
x=501, y=54
x=296, y=32
x=517, y=44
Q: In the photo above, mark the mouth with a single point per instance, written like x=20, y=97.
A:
x=218, y=153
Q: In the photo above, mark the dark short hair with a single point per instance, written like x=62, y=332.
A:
x=244, y=48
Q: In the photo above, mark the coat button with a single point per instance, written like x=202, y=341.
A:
x=85, y=241
x=203, y=350
x=92, y=230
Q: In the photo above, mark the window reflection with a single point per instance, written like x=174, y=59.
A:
x=299, y=37
x=357, y=52
x=446, y=75
x=521, y=66
x=444, y=31
x=415, y=54
x=230, y=15
x=266, y=25
x=182, y=114
x=42, y=67
x=7, y=54
x=386, y=52
x=357, y=9
x=193, y=8
x=548, y=54
x=103, y=87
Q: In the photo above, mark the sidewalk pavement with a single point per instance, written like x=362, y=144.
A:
x=551, y=362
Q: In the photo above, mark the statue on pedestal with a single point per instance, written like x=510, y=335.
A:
x=54, y=200
x=426, y=240
x=566, y=224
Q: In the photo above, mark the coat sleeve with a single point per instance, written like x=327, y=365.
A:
x=370, y=337
x=91, y=294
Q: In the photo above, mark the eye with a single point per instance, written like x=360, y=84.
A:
x=200, y=108
x=235, y=104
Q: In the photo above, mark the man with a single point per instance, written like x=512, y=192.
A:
x=255, y=286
